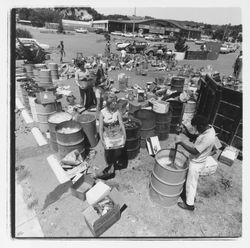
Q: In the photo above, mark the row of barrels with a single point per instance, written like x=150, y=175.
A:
x=161, y=124
x=67, y=135
x=42, y=74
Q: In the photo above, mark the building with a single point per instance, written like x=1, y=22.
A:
x=72, y=25
x=153, y=26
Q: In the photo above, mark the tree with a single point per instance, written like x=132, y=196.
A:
x=60, y=27
x=23, y=33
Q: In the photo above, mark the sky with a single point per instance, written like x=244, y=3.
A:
x=205, y=15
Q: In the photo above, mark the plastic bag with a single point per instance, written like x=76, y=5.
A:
x=73, y=158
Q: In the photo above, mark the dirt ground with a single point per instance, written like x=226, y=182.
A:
x=218, y=204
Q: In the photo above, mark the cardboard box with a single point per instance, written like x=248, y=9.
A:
x=153, y=145
x=97, y=223
x=98, y=192
x=160, y=107
x=229, y=155
x=81, y=186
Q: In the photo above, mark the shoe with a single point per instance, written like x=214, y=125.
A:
x=107, y=173
x=183, y=205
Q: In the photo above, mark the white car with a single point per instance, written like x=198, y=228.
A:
x=81, y=30
x=225, y=49
x=117, y=33
x=28, y=42
x=128, y=35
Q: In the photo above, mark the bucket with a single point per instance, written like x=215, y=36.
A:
x=43, y=112
x=132, y=127
x=167, y=180
x=54, y=120
x=54, y=70
x=177, y=108
x=29, y=70
x=33, y=107
x=162, y=124
x=69, y=136
x=177, y=83
x=88, y=122
x=147, y=118
x=45, y=79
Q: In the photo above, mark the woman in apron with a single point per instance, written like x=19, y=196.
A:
x=113, y=137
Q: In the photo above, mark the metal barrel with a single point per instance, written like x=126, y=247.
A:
x=167, y=179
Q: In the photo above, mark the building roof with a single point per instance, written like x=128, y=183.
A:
x=146, y=20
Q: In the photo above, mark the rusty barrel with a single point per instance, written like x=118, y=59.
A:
x=45, y=79
x=43, y=111
x=132, y=127
x=54, y=70
x=69, y=136
x=162, y=124
x=88, y=122
x=177, y=111
x=167, y=179
x=147, y=118
x=177, y=83
x=54, y=120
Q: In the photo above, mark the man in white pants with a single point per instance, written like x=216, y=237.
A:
x=202, y=148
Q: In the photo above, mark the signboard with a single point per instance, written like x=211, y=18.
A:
x=158, y=30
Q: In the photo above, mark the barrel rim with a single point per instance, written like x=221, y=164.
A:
x=57, y=113
x=79, y=116
x=167, y=149
x=171, y=184
x=60, y=125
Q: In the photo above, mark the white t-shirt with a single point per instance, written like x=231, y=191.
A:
x=204, y=145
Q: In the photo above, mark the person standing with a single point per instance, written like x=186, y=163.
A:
x=110, y=126
x=202, y=148
x=83, y=81
x=61, y=51
x=99, y=87
x=238, y=66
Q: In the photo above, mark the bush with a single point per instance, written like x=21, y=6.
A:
x=23, y=33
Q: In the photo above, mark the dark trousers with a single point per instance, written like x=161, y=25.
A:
x=87, y=97
x=116, y=157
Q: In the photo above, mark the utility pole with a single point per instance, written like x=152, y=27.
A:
x=134, y=20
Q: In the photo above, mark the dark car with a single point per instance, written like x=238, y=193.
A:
x=101, y=31
x=133, y=46
x=152, y=49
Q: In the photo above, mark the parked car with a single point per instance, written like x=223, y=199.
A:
x=117, y=33
x=29, y=42
x=224, y=49
x=101, y=31
x=153, y=48
x=81, y=30
x=132, y=46
x=152, y=37
x=129, y=35
x=199, y=42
